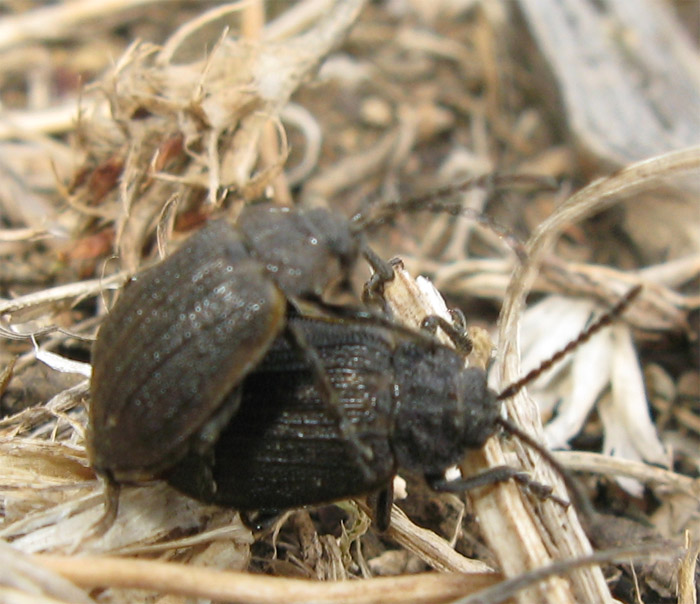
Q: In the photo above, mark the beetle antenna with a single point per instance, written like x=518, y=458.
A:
x=384, y=212
x=581, y=500
x=585, y=335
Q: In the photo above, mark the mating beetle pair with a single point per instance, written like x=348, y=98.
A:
x=185, y=332
x=205, y=375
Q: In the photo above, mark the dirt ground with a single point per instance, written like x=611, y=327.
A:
x=569, y=127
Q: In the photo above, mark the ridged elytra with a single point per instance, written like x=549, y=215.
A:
x=182, y=334
x=409, y=399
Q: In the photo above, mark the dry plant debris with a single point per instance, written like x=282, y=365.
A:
x=125, y=125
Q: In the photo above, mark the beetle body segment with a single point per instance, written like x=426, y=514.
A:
x=186, y=331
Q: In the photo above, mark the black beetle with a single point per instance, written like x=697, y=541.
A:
x=409, y=399
x=184, y=332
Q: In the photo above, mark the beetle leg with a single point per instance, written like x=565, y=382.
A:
x=206, y=438
x=459, y=338
x=380, y=503
x=111, y=503
x=494, y=476
x=259, y=521
x=373, y=291
x=459, y=321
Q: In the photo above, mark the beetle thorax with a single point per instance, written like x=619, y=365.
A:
x=304, y=252
x=442, y=409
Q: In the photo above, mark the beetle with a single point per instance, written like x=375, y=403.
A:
x=410, y=400
x=186, y=331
